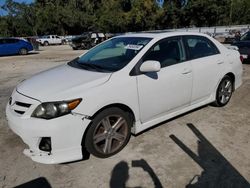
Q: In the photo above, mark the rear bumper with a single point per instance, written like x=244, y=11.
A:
x=245, y=53
x=66, y=134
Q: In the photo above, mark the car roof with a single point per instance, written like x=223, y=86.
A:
x=8, y=38
x=162, y=34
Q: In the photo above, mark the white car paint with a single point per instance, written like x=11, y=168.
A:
x=50, y=39
x=72, y=79
x=152, y=98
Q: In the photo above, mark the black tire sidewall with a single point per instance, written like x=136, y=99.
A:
x=90, y=132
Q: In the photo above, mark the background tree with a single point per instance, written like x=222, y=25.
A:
x=66, y=17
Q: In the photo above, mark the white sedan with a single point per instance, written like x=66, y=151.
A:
x=122, y=86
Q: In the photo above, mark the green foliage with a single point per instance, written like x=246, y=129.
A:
x=64, y=17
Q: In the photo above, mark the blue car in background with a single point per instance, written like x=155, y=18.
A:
x=12, y=46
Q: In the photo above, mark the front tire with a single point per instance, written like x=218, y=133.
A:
x=224, y=92
x=109, y=132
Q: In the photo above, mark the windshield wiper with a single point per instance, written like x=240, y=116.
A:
x=89, y=66
x=92, y=66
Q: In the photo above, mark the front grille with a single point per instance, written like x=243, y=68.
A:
x=20, y=107
x=19, y=112
x=23, y=104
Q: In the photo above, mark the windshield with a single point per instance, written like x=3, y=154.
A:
x=245, y=37
x=112, y=55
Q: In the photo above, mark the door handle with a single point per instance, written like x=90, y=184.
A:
x=220, y=62
x=186, y=71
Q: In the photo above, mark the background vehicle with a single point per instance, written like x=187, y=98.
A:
x=224, y=37
x=11, y=46
x=68, y=39
x=122, y=86
x=33, y=41
x=49, y=39
x=244, y=46
x=87, y=40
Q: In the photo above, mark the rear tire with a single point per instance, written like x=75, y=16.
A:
x=224, y=92
x=23, y=51
x=108, y=133
x=46, y=43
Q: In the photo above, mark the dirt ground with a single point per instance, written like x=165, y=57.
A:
x=208, y=147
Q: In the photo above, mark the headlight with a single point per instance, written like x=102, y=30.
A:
x=50, y=110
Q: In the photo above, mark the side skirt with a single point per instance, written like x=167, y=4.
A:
x=139, y=127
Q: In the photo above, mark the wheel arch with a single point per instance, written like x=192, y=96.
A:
x=45, y=42
x=232, y=76
x=117, y=105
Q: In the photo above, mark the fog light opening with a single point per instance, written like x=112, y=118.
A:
x=45, y=144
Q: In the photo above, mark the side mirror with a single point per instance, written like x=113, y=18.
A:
x=150, y=66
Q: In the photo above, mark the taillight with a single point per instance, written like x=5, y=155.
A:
x=241, y=58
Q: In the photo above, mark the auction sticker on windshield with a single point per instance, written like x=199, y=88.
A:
x=133, y=47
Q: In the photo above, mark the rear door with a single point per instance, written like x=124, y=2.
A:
x=53, y=39
x=58, y=40
x=207, y=65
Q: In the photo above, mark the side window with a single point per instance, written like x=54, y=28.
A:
x=15, y=40
x=57, y=37
x=10, y=41
x=1, y=41
x=245, y=37
x=168, y=52
x=200, y=47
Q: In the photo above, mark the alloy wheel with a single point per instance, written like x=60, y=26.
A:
x=225, y=91
x=110, y=134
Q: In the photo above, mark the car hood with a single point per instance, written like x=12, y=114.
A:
x=59, y=81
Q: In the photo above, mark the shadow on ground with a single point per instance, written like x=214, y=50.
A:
x=120, y=174
x=17, y=55
x=217, y=170
x=36, y=183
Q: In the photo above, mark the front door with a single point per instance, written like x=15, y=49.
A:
x=170, y=89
